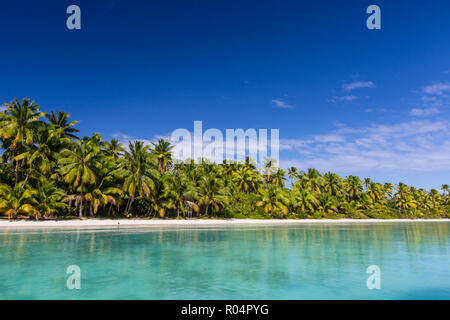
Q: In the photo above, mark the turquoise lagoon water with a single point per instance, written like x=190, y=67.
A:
x=308, y=261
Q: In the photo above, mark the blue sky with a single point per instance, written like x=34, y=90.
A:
x=347, y=99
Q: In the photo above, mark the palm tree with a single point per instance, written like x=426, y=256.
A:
x=332, y=184
x=272, y=200
x=139, y=168
x=179, y=194
x=78, y=166
x=304, y=199
x=114, y=149
x=278, y=178
x=246, y=180
x=403, y=198
x=327, y=203
x=47, y=198
x=353, y=187
x=446, y=189
x=163, y=154
x=15, y=200
x=293, y=173
x=63, y=128
x=211, y=192
x=18, y=124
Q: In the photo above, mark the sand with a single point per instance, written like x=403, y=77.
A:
x=189, y=222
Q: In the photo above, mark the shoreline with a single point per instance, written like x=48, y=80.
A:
x=105, y=223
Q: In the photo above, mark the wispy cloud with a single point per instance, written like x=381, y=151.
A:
x=424, y=112
x=436, y=95
x=414, y=147
x=281, y=104
x=357, y=85
x=438, y=89
x=347, y=98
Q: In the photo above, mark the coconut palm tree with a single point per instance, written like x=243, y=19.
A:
x=163, y=154
x=140, y=170
x=211, y=192
x=332, y=184
x=78, y=165
x=179, y=194
x=246, y=180
x=19, y=122
x=47, y=198
x=59, y=120
x=15, y=200
x=293, y=173
x=446, y=189
x=273, y=201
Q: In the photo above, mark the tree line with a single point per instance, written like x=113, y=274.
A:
x=47, y=171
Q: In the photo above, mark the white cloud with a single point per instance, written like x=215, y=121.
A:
x=424, y=112
x=357, y=85
x=414, y=147
x=437, y=89
x=343, y=98
x=281, y=104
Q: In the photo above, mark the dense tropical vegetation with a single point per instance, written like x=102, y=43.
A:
x=47, y=171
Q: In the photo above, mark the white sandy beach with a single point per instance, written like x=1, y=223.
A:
x=189, y=222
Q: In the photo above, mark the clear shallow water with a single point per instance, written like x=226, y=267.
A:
x=313, y=261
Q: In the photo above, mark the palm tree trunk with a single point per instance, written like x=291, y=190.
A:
x=16, y=171
x=81, y=209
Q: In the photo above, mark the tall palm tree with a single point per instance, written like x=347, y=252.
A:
x=211, y=192
x=140, y=170
x=446, y=189
x=179, y=194
x=19, y=122
x=163, y=154
x=293, y=173
x=63, y=128
x=353, y=187
x=332, y=184
x=246, y=180
x=78, y=165
x=114, y=149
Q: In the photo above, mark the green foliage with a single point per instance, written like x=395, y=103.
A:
x=47, y=171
